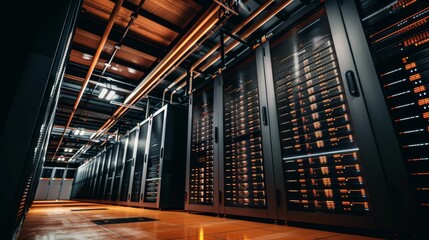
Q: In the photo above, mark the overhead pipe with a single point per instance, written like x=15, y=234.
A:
x=100, y=48
x=196, y=46
x=208, y=21
x=226, y=39
x=203, y=25
x=118, y=45
x=76, y=78
x=176, y=90
x=227, y=8
x=245, y=35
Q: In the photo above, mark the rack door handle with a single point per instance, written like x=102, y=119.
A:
x=264, y=116
x=351, y=82
x=216, y=134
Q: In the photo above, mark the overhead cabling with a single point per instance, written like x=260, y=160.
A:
x=234, y=44
x=109, y=27
x=204, y=24
x=97, y=54
x=181, y=50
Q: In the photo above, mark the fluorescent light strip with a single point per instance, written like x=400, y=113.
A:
x=103, y=93
x=110, y=95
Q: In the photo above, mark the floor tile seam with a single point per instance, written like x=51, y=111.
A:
x=100, y=226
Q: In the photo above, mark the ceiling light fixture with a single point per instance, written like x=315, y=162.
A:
x=103, y=93
x=110, y=95
x=76, y=132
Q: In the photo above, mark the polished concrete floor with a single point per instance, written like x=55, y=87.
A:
x=56, y=220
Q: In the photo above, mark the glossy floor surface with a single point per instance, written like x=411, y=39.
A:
x=73, y=220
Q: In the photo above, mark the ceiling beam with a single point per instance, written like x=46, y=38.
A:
x=153, y=17
x=95, y=26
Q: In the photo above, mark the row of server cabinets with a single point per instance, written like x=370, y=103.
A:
x=143, y=168
x=325, y=123
x=55, y=183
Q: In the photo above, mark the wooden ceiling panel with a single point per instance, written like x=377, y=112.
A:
x=180, y=13
x=136, y=57
x=89, y=40
x=92, y=41
x=147, y=29
x=99, y=8
x=143, y=27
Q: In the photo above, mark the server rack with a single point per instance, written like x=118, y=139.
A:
x=390, y=48
x=119, y=170
x=201, y=170
x=111, y=173
x=88, y=188
x=229, y=162
x=128, y=169
x=100, y=175
x=140, y=159
x=325, y=151
x=106, y=168
x=246, y=170
x=163, y=172
x=97, y=175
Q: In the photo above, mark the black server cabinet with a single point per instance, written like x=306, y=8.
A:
x=106, y=169
x=229, y=162
x=328, y=169
x=201, y=170
x=91, y=176
x=129, y=157
x=111, y=173
x=100, y=162
x=391, y=43
x=118, y=169
x=140, y=159
x=163, y=172
x=246, y=170
x=100, y=175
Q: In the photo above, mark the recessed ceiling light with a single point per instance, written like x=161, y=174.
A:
x=103, y=93
x=110, y=95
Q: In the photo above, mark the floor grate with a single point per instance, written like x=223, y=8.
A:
x=122, y=220
x=89, y=209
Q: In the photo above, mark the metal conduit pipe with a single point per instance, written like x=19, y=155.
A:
x=133, y=17
x=196, y=46
x=209, y=18
x=76, y=78
x=226, y=39
x=245, y=35
x=206, y=22
x=155, y=78
x=177, y=89
x=103, y=41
